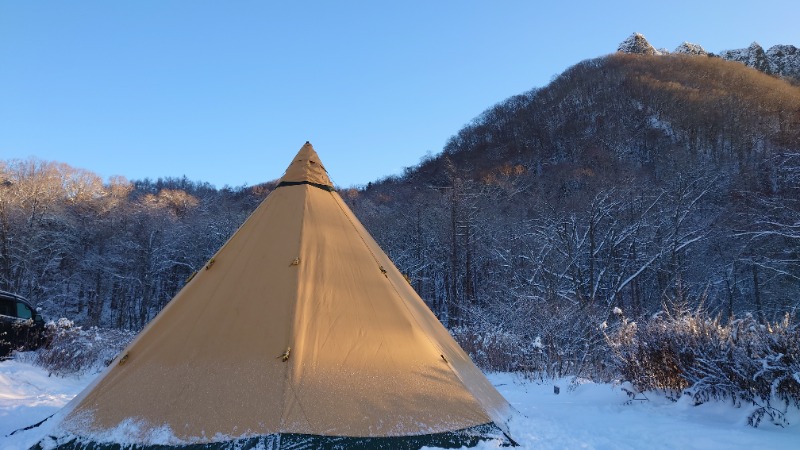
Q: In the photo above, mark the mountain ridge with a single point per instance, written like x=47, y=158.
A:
x=779, y=60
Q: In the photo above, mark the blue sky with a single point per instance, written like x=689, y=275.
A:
x=227, y=92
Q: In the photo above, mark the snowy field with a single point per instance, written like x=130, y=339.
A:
x=582, y=416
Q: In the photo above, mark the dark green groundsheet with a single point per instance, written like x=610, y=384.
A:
x=468, y=437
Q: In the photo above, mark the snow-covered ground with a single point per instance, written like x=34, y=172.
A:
x=582, y=416
x=28, y=395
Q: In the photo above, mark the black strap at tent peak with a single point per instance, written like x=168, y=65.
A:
x=324, y=187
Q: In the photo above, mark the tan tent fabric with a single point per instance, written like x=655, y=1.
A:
x=306, y=167
x=299, y=324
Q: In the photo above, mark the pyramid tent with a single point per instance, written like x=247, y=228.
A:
x=298, y=333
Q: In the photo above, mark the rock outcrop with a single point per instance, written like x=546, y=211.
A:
x=779, y=60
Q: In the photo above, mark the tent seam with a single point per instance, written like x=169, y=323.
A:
x=290, y=339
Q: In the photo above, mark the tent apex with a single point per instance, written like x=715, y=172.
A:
x=306, y=167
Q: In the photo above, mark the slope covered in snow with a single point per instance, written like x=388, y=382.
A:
x=784, y=60
x=583, y=415
x=637, y=44
x=28, y=395
x=688, y=48
x=753, y=56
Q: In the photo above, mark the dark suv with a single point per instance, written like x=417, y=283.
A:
x=21, y=326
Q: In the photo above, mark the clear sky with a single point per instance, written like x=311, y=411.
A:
x=227, y=91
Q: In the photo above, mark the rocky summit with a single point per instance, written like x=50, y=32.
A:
x=780, y=60
x=688, y=48
x=637, y=44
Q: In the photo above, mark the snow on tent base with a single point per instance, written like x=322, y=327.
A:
x=299, y=327
x=469, y=437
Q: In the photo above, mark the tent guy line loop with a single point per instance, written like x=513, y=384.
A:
x=123, y=360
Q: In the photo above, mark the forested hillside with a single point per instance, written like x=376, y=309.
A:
x=629, y=183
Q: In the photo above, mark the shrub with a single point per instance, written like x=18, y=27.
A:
x=74, y=350
x=21, y=336
x=686, y=352
x=565, y=342
x=495, y=350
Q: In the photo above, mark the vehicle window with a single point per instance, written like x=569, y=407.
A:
x=23, y=311
x=7, y=307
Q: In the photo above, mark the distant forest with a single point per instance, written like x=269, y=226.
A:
x=110, y=254
x=629, y=183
